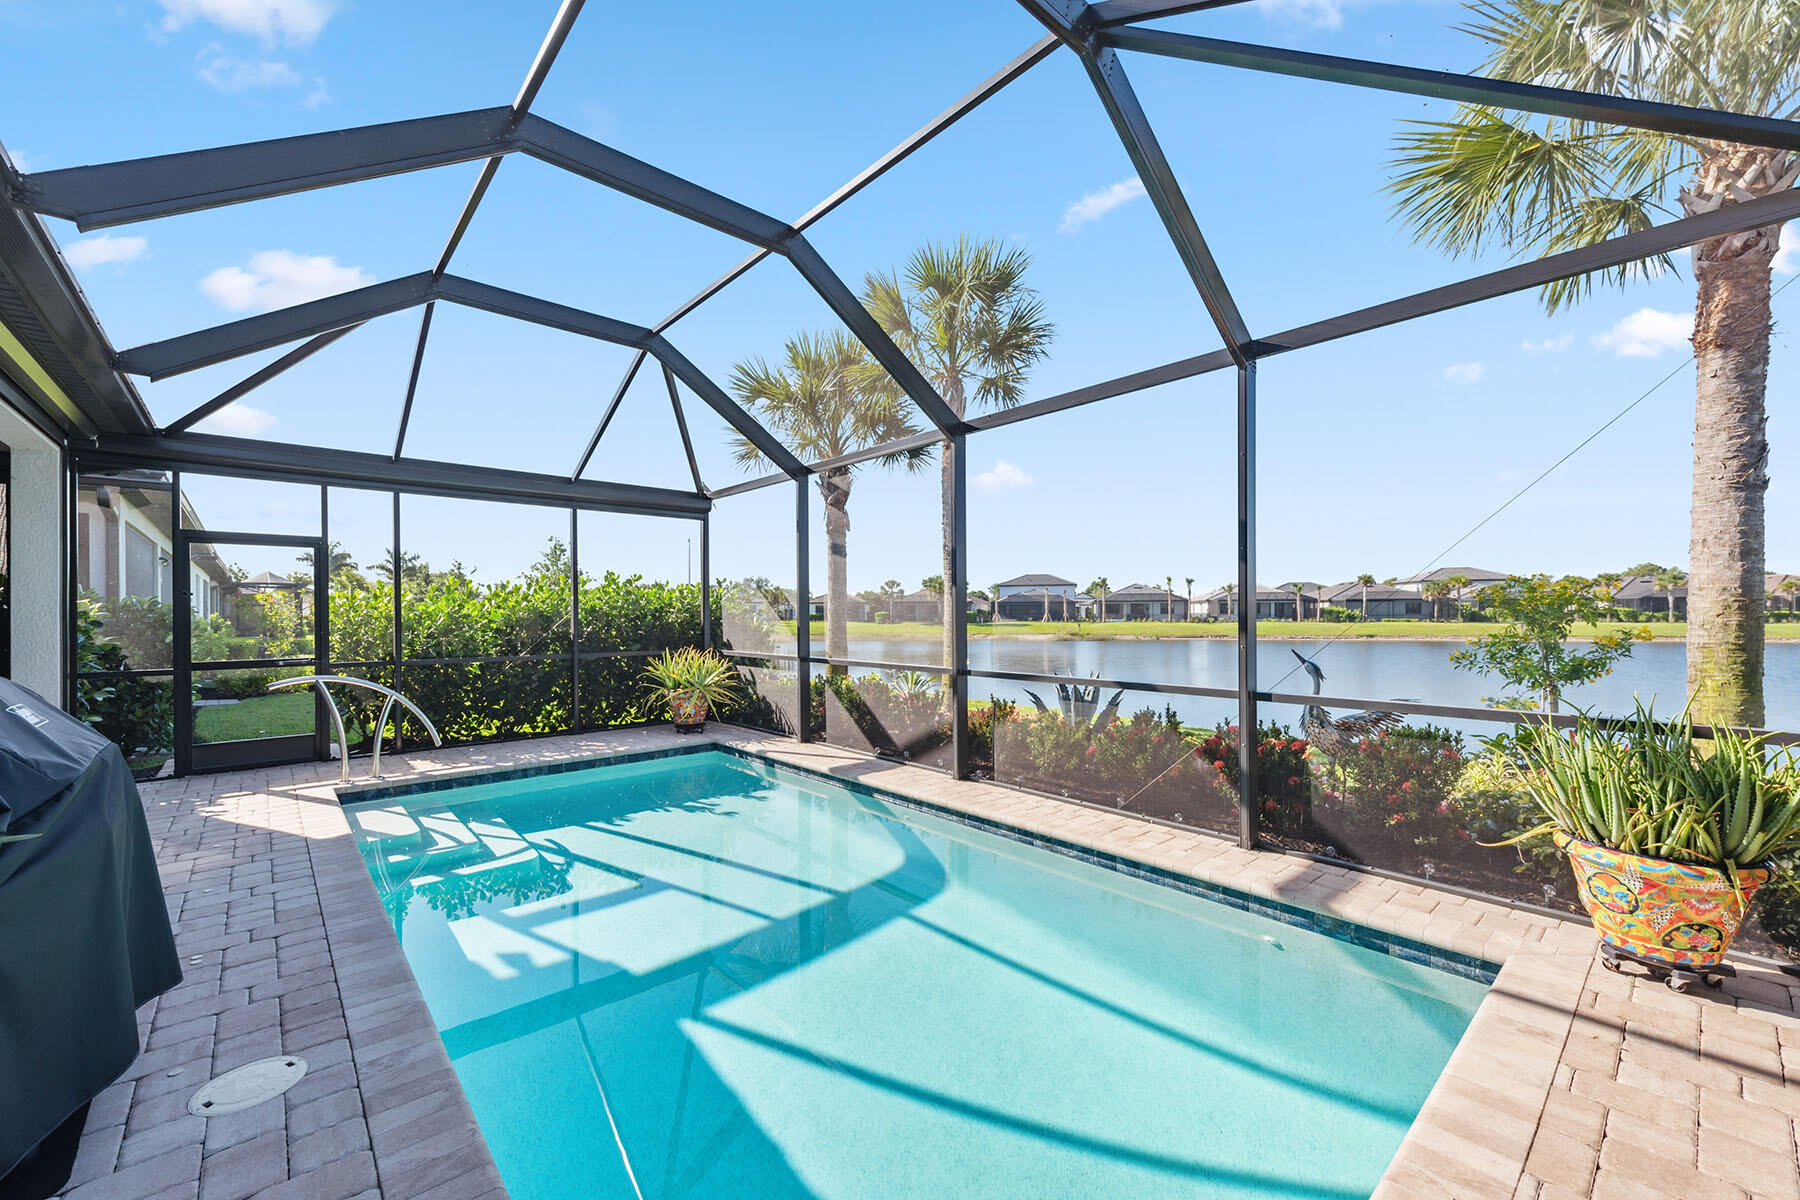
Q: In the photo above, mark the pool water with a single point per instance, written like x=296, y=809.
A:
x=705, y=976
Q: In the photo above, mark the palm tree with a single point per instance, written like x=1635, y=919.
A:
x=413, y=569
x=1789, y=586
x=1228, y=589
x=1543, y=185
x=1457, y=583
x=962, y=314
x=1367, y=581
x=1299, y=600
x=1169, y=597
x=336, y=557
x=821, y=403
x=1098, y=589
x=1434, y=590
x=1189, y=580
x=1666, y=581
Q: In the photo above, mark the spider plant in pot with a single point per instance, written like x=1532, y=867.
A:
x=1669, y=835
x=691, y=682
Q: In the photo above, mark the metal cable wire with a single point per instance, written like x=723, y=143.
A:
x=1543, y=475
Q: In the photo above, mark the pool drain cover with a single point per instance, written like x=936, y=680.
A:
x=247, y=1086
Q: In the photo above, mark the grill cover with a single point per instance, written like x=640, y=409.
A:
x=84, y=930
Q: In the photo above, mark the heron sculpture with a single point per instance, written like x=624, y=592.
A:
x=1335, y=737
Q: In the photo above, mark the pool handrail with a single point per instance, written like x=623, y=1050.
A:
x=337, y=718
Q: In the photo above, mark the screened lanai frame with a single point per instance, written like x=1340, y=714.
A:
x=119, y=193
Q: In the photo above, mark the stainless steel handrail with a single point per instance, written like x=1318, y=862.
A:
x=337, y=718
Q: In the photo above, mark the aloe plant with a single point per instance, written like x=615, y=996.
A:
x=1651, y=788
x=676, y=672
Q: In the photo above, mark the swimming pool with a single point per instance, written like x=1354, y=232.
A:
x=702, y=975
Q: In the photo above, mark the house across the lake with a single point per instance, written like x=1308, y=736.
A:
x=1141, y=602
x=1384, y=602
x=1478, y=578
x=1641, y=593
x=1044, y=604
x=1056, y=585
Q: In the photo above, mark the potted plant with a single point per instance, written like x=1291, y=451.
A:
x=1669, y=836
x=691, y=682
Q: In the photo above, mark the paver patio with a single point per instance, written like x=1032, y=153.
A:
x=1570, y=1082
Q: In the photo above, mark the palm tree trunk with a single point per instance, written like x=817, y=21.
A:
x=835, y=485
x=1731, y=451
x=947, y=510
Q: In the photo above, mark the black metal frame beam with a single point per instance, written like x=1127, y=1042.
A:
x=250, y=458
x=612, y=407
x=412, y=379
x=205, y=347
x=1036, y=53
x=1698, y=123
x=687, y=443
x=1108, y=13
x=250, y=383
x=1067, y=20
x=1647, y=243
x=1665, y=238
x=220, y=343
x=140, y=189
x=166, y=185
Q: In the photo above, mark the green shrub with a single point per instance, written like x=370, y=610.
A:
x=136, y=714
x=1339, y=614
x=1396, y=786
x=1146, y=764
x=1283, y=783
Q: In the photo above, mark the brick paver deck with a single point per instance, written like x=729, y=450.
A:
x=1570, y=1081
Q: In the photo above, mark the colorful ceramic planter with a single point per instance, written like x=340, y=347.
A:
x=688, y=710
x=1665, y=912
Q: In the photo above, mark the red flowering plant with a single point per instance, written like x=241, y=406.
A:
x=1284, y=785
x=1143, y=764
x=1395, y=787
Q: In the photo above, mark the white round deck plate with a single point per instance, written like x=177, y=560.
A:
x=247, y=1086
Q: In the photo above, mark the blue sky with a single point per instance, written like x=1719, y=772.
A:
x=1375, y=454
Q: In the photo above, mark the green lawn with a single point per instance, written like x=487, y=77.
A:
x=1307, y=630
x=261, y=716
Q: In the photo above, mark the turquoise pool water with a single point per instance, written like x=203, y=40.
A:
x=703, y=976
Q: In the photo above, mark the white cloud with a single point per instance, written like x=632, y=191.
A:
x=104, y=248
x=238, y=420
x=1465, y=372
x=1646, y=333
x=1787, y=256
x=295, y=22
x=24, y=163
x=1320, y=14
x=229, y=73
x=1003, y=475
x=279, y=278
x=1095, y=205
x=1549, y=345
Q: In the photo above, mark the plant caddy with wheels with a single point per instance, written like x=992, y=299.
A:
x=1669, y=836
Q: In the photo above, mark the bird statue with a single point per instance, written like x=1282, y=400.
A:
x=1335, y=737
x=1080, y=705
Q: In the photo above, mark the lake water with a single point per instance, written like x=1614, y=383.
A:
x=1367, y=669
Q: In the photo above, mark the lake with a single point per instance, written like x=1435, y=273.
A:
x=1368, y=669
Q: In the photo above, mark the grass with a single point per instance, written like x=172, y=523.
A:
x=260, y=716
x=1267, y=630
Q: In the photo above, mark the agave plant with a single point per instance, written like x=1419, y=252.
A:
x=1649, y=787
x=1080, y=704
x=678, y=672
